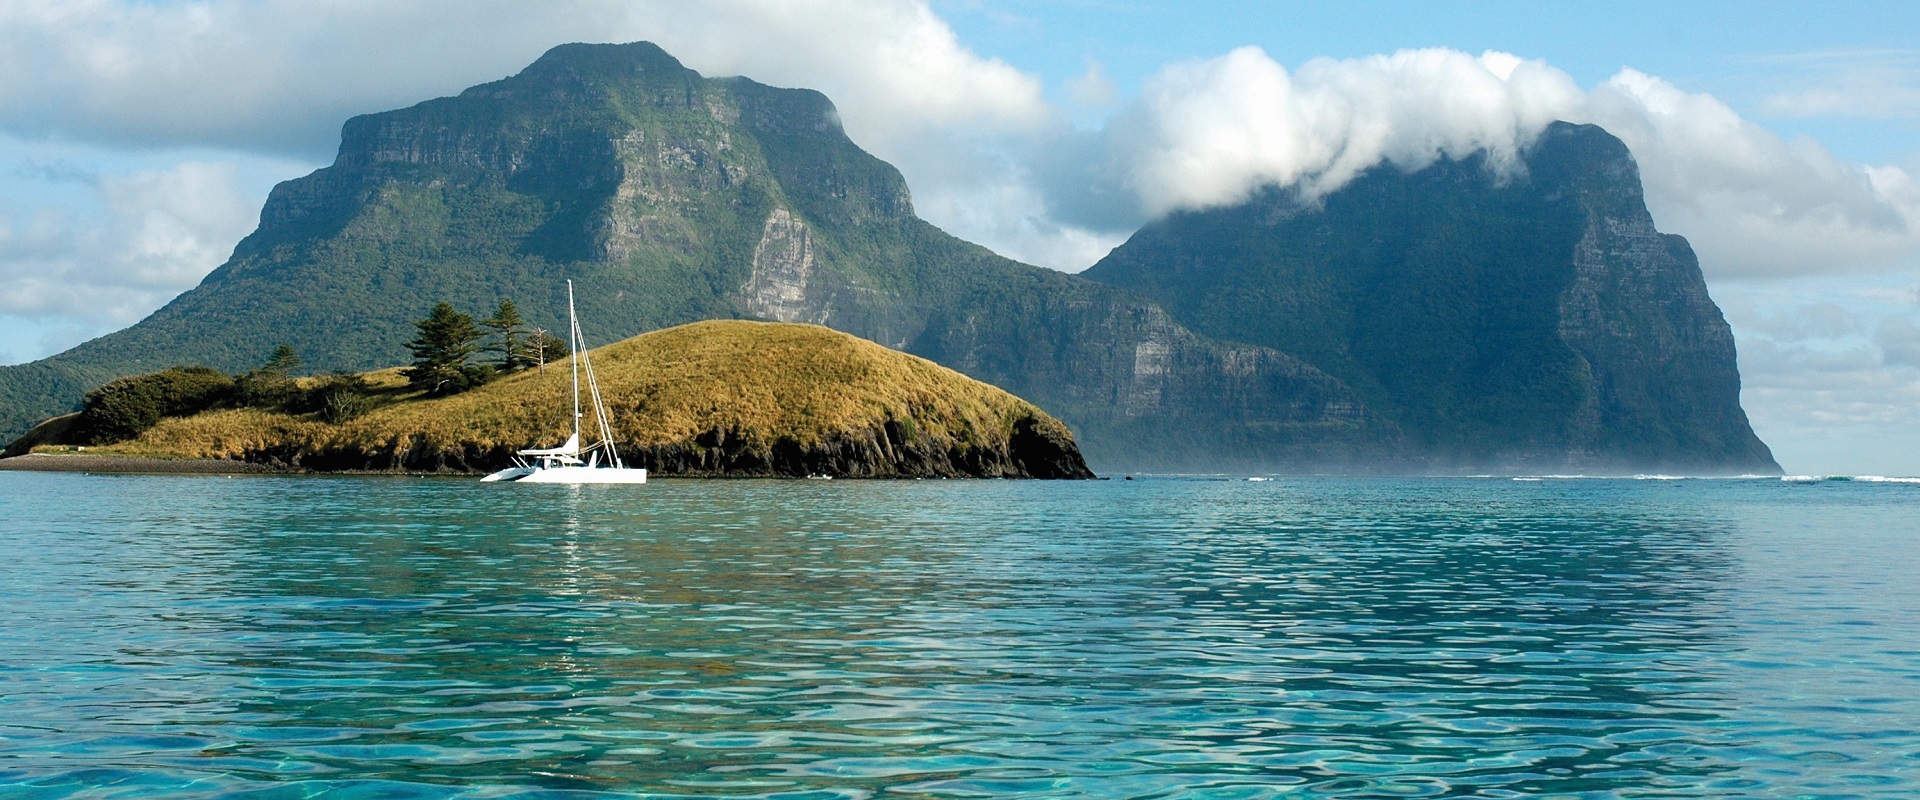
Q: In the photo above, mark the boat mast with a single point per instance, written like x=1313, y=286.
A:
x=573, y=345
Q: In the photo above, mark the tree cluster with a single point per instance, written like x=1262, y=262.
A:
x=127, y=407
x=446, y=360
x=448, y=341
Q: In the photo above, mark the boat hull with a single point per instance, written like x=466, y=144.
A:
x=508, y=474
x=569, y=475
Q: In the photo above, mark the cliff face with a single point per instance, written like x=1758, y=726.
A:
x=1533, y=321
x=671, y=198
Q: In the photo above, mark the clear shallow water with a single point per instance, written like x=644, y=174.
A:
x=395, y=638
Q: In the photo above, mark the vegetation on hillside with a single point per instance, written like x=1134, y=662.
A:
x=128, y=407
x=443, y=352
x=271, y=384
x=651, y=185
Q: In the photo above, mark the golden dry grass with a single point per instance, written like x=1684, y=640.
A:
x=771, y=380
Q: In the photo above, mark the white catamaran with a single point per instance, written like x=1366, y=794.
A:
x=570, y=463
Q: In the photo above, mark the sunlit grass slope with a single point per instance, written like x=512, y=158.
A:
x=711, y=398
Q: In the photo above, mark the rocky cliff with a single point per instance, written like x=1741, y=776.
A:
x=1534, y=320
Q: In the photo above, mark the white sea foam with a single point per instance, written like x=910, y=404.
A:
x=1848, y=479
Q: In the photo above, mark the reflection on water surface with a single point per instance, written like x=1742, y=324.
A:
x=1160, y=638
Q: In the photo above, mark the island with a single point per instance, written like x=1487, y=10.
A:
x=721, y=398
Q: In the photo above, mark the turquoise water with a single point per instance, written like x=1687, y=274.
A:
x=411, y=638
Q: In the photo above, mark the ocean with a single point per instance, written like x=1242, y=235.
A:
x=296, y=637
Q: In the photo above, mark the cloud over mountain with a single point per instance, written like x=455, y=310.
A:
x=283, y=74
x=987, y=155
x=1210, y=132
x=272, y=82
x=162, y=93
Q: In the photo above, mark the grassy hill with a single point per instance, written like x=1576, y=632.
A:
x=728, y=397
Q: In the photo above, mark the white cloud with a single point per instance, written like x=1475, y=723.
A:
x=1831, y=369
x=1092, y=89
x=1899, y=341
x=1753, y=204
x=283, y=74
x=1860, y=84
x=1210, y=132
x=154, y=234
x=279, y=77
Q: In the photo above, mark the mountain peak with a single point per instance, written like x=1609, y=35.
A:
x=605, y=58
x=615, y=70
x=1592, y=162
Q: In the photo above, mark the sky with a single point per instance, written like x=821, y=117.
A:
x=139, y=139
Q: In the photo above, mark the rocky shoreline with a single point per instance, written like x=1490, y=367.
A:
x=1032, y=454
x=132, y=465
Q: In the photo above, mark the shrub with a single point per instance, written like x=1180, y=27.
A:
x=341, y=404
x=476, y=375
x=336, y=398
x=127, y=407
x=340, y=407
x=265, y=389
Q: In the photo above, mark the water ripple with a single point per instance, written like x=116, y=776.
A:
x=271, y=637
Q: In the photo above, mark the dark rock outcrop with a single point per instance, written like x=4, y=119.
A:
x=1529, y=321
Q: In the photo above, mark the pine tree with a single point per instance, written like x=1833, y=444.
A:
x=269, y=385
x=283, y=362
x=447, y=339
x=506, y=324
